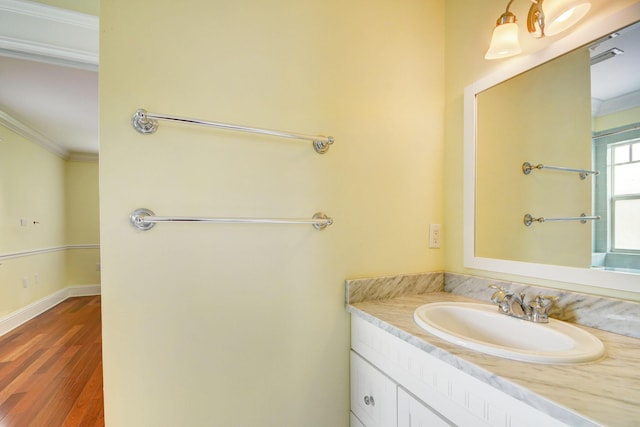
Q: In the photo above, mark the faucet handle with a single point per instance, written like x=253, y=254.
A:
x=540, y=308
x=499, y=288
x=500, y=297
x=545, y=300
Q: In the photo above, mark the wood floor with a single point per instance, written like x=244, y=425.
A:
x=51, y=368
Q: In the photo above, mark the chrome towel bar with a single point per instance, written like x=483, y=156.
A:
x=146, y=123
x=144, y=219
x=528, y=167
x=528, y=219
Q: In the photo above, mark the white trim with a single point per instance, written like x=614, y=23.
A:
x=619, y=103
x=32, y=135
x=39, y=251
x=23, y=315
x=50, y=34
x=75, y=156
x=587, y=32
x=36, y=137
x=83, y=246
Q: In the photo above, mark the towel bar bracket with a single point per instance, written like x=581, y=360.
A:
x=142, y=123
x=137, y=219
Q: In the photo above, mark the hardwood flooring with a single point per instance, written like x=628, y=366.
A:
x=51, y=368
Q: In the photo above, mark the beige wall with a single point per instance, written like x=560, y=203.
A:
x=245, y=324
x=468, y=31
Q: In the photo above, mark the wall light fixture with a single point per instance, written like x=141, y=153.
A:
x=545, y=18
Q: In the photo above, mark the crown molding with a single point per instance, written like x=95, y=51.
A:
x=36, y=137
x=43, y=33
x=617, y=104
x=76, y=156
x=32, y=135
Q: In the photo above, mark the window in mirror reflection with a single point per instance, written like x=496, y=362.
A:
x=615, y=96
x=617, y=198
x=625, y=196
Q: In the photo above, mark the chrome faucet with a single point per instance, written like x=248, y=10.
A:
x=515, y=305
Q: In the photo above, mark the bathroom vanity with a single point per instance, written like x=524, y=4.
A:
x=402, y=375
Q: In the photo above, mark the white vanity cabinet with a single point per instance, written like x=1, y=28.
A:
x=413, y=413
x=373, y=394
x=377, y=401
x=404, y=376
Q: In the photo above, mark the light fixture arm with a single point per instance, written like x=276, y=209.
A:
x=535, y=19
x=507, y=17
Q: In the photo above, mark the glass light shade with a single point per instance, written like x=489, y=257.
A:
x=562, y=14
x=504, y=42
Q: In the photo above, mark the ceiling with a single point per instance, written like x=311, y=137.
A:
x=49, y=77
x=58, y=102
x=615, y=83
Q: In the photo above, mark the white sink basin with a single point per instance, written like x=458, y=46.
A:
x=480, y=327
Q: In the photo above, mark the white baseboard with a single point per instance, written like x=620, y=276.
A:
x=17, y=318
x=83, y=290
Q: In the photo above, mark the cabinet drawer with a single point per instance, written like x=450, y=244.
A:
x=373, y=395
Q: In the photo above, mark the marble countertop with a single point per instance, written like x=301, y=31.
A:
x=605, y=392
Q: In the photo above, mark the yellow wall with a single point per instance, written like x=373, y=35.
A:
x=40, y=187
x=517, y=121
x=245, y=324
x=82, y=203
x=612, y=121
x=82, y=219
x=31, y=188
x=91, y=7
x=469, y=25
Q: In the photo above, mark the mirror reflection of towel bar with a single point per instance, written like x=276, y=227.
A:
x=144, y=219
x=528, y=167
x=528, y=219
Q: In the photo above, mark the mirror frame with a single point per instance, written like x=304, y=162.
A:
x=587, y=32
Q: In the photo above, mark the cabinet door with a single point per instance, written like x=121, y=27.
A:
x=373, y=395
x=355, y=422
x=413, y=413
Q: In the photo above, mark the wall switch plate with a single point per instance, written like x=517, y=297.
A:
x=24, y=222
x=25, y=282
x=435, y=236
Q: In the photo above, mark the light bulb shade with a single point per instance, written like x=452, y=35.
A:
x=504, y=42
x=562, y=14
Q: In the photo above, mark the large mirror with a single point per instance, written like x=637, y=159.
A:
x=529, y=130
